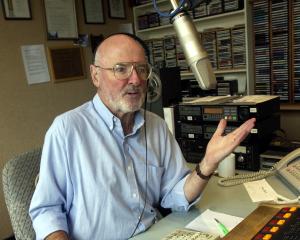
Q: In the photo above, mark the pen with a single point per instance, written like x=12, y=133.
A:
x=222, y=227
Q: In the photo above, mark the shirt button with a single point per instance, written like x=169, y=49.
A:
x=134, y=195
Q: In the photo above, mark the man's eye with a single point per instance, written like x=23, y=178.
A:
x=142, y=69
x=120, y=68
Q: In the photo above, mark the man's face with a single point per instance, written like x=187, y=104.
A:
x=121, y=96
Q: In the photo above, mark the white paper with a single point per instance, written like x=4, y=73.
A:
x=35, y=63
x=260, y=191
x=206, y=222
x=61, y=19
x=184, y=234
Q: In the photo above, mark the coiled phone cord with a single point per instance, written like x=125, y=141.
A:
x=242, y=178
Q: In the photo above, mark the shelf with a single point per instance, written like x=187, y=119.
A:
x=197, y=20
x=290, y=107
x=149, y=4
x=222, y=15
x=225, y=71
x=233, y=70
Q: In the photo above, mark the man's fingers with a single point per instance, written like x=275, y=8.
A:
x=221, y=127
x=247, y=126
x=242, y=132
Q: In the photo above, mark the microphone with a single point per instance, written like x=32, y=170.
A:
x=195, y=55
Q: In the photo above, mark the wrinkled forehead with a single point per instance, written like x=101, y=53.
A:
x=120, y=48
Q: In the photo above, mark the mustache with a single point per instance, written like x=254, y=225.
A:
x=133, y=89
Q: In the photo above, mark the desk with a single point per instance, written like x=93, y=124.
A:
x=231, y=200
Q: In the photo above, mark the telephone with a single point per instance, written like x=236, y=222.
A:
x=288, y=169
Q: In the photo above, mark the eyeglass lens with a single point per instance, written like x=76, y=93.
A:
x=124, y=70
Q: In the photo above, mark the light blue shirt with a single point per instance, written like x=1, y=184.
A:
x=92, y=180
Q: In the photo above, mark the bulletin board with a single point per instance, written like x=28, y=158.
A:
x=66, y=63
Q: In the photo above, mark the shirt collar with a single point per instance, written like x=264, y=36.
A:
x=111, y=120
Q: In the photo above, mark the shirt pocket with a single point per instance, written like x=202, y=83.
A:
x=154, y=177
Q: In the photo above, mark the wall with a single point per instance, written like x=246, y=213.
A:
x=290, y=124
x=27, y=111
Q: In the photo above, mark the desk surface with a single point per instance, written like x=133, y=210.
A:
x=230, y=200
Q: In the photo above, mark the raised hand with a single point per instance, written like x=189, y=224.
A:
x=221, y=145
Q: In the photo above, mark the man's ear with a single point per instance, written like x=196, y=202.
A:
x=94, y=73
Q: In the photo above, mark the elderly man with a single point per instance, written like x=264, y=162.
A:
x=108, y=164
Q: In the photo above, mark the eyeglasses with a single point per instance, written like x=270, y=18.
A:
x=124, y=70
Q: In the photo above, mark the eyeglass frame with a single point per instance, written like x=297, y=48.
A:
x=133, y=66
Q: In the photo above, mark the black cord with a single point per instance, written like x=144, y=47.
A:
x=146, y=156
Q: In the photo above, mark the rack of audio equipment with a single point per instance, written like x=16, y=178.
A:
x=197, y=120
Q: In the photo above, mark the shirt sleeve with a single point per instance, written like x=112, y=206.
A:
x=176, y=173
x=49, y=206
x=178, y=198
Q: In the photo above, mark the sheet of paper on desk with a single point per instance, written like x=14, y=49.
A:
x=206, y=222
x=260, y=191
x=184, y=234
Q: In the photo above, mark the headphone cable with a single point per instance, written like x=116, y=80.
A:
x=146, y=156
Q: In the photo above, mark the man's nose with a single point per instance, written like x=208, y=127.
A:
x=134, y=78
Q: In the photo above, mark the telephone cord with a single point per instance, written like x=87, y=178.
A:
x=242, y=178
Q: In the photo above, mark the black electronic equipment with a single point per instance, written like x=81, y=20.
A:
x=187, y=130
x=284, y=225
x=187, y=113
x=240, y=109
x=197, y=120
x=259, y=132
x=170, y=90
x=247, y=156
x=192, y=149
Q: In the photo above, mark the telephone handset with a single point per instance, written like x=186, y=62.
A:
x=288, y=168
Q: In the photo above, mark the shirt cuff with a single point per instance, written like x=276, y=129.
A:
x=47, y=223
x=181, y=203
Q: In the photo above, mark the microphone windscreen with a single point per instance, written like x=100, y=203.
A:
x=204, y=73
x=194, y=53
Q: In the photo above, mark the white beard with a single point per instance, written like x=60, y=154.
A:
x=123, y=104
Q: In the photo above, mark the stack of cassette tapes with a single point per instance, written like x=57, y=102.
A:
x=170, y=51
x=262, y=47
x=280, y=49
x=209, y=44
x=233, y=5
x=224, y=49
x=296, y=61
x=238, y=39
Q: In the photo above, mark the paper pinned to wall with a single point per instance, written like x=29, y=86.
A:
x=35, y=63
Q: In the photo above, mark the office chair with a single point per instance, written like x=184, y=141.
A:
x=18, y=177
